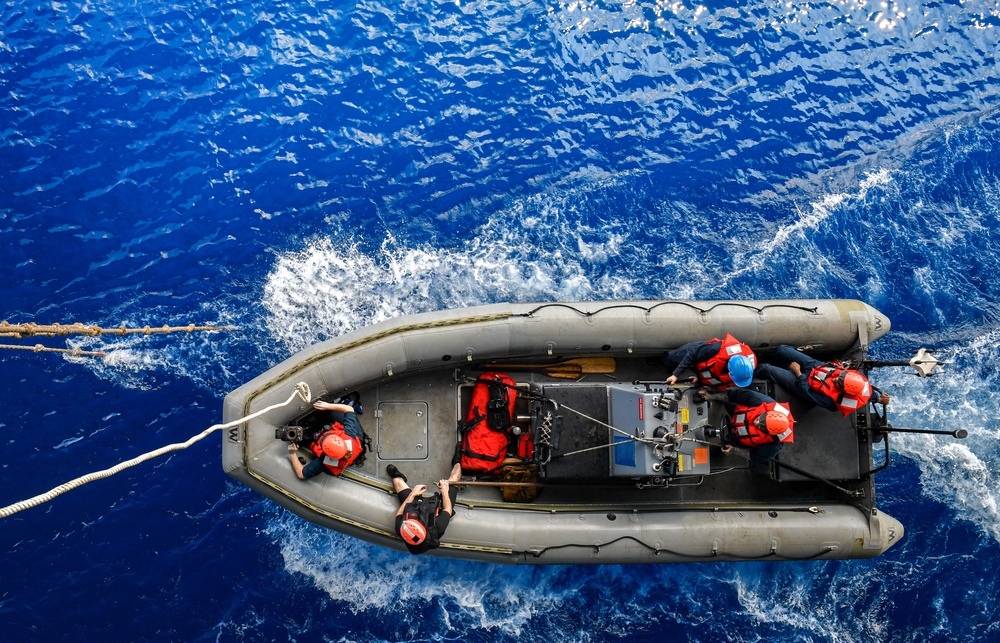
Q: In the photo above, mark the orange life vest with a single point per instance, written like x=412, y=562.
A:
x=713, y=371
x=336, y=467
x=823, y=380
x=748, y=435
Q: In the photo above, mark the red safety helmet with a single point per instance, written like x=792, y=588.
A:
x=333, y=446
x=776, y=422
x=413, y=531
x=852, y=383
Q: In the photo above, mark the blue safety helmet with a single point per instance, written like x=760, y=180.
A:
x=741, y=370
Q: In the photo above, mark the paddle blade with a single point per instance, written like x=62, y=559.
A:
x=593, y=364
x=578, y=364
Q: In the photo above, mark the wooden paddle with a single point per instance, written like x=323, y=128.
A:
x=570, y=369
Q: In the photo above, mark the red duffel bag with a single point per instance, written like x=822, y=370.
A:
x=487, y=424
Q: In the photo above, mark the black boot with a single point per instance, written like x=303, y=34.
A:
x=355, y=398
x=394, y=472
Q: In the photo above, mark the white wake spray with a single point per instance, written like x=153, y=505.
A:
x=534, y=251
x=796, y=242
x=965, y=475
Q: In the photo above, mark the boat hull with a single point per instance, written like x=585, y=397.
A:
x=393, y=360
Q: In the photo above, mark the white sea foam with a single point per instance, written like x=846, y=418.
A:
x=965, y=474
x=129, y=365
x=837, y=602
x=143, y=363
x=365, y=578
x=794, y=239
x=67, y=442
x=536, y=250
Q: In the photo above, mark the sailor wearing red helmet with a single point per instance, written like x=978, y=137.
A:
x=421, y=521
x=828, y=385
x=335, y=448
x=756, y=422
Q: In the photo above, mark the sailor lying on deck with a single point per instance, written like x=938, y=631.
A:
x=717, y=363
x=335, y=448
x=756, y=421
x=828, y=385
x=421, y=521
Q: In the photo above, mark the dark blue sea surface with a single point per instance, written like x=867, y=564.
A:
x=299, y=170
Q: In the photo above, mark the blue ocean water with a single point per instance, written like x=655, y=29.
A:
x=300, y=169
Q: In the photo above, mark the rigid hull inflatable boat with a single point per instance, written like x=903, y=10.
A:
x=615, y=466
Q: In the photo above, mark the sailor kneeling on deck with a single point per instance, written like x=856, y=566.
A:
x=828, y=385
x=756, y=421
x=421, y=521
x=335, y=448
x=717, y=363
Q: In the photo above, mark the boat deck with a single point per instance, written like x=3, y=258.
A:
x=413, y=422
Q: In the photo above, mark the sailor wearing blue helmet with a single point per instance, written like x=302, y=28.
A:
x=717, y=363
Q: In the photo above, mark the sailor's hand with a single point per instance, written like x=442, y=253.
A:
x=883, y=399
x=443, y=485
x=419, y=489
x=795, y=368
x=702, y=394
x=672, y=380
x=726, y=448
x=322, y=406
x=292, y=447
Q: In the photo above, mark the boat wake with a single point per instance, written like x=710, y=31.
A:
x=962, y=474
x=832, y=600
x=539, y=249
x=366, y=578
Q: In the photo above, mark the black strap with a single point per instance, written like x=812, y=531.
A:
x=480, y=456
x=465, y=427
x=365, y=441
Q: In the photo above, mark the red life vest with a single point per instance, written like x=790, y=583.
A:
x=483, y=447
x=336, y=467
x=748, y=435
x=823, y=380
x=713, y=371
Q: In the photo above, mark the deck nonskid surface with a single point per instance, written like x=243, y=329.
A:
x=413, y=421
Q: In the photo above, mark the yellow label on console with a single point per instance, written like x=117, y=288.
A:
x=685, y=415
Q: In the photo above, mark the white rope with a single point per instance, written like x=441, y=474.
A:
x=605, y=424
x=301, y=391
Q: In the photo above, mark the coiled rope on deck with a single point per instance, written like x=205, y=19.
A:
x=301, y=391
